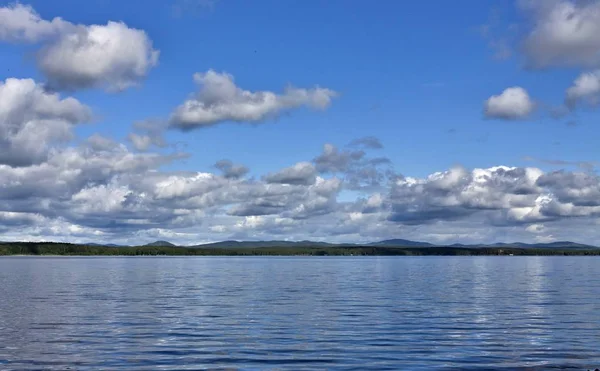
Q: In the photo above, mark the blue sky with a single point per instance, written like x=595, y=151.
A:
x=418, y=76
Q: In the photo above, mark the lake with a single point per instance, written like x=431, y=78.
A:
x=255, y=313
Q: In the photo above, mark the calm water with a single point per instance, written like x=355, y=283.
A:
x=409, y=313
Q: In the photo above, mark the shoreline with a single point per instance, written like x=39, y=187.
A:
x=54, y=249
x=290, y=256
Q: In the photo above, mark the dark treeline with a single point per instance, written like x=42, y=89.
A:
x=48, y=248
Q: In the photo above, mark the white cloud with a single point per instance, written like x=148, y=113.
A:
x=101, y=198
x=21, y=23
x=545, y=239
x=359, y=171
x=140, y=142
x=563, y=33
x=585, y=88
x=99, y=143
x=514, y=103
x=231, y=170
x=100, y=190
x=31, y=120
x=502, y=193
x=112, y=56
x=301, y=173
x=220, y=100
x=148, y=133
x=535, y=228
x=332, y=160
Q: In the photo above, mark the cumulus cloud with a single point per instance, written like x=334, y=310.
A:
x=586, y=88
x=293, y=202
x=231, y=170
x=100, y=143
x=140, y=142
x=21, y=23
x=500, y=195
x=563, y=33
x=148, y=133
x=359, y=171
x=303, y=173
x=112, y=56
x=535, y=228
x=31, y=120
x=514, y=103
x=220, y=99
x=100, y=190
x=573, y=192
x=459, y=193
x=332, y=160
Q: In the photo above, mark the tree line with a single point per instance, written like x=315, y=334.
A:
x=54, y=248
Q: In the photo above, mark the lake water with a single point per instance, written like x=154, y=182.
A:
x=254, y=313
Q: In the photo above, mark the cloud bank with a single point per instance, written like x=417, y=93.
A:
x=99, y=190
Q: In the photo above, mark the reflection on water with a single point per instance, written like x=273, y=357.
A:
x=531, y=313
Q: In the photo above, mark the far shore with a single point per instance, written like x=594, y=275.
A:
x=49, y=249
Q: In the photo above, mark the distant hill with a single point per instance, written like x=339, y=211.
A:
x=104, y=244
x=401, y=242
x=160, y=243
x=256, y=244
x=563, y=244
x=397, y=242
x=304, y=248
x=390, y=243
x=547, y=245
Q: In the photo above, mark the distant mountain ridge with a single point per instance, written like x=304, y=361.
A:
x=160, y=243
x=397, y=242
x=401, y=242
x=394, y=243
x=104, y=244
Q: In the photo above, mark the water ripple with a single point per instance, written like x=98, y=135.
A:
x=415, y=313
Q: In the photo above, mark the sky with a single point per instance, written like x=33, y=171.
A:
x=196, y=121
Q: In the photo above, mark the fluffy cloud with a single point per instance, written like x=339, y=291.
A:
x=573, y=193
x=31, y=120
x=102, y=191
x=231, y=170
x=563, y=33
x=291, y=201
x=20, y=23
x=111, y=56
x=148, y=133
x=458, y=193
x=585, y=88
x=358, y=171
x=332, y=160
x=220, y=100
x=501, y=195
x=514, y=103
x=303, y=173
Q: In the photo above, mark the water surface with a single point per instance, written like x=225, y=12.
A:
x=251, y=313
